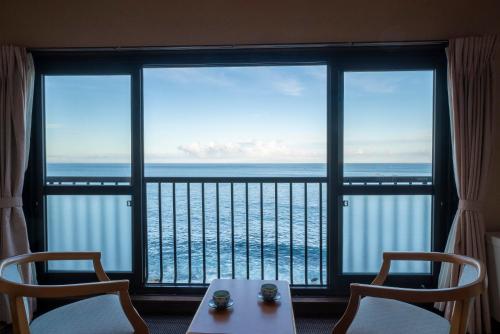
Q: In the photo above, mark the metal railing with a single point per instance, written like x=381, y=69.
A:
x=87, y=180
x=245, y=227
x=200, y=228
x=387, y=180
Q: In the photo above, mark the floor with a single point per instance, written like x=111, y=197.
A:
x=180, y=324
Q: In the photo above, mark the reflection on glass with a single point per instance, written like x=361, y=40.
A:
x=87, y=125
x=90, y=223
x=374, y=224
x=388, y=123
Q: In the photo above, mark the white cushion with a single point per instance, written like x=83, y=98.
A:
x=379, y=315
x=97, y=315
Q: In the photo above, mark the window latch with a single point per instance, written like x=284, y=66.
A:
x=345, y=203
x=129, y=203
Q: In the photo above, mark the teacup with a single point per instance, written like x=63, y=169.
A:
x=268, y=291
x=221, y=298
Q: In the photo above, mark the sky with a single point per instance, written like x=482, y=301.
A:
x=251, y=114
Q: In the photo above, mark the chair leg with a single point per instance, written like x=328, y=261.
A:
x=17, y=311
x=135, y=319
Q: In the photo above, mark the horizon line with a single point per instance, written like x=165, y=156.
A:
x=234, y=163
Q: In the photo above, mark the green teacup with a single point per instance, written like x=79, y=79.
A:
x=268, y=291
x=221, y=298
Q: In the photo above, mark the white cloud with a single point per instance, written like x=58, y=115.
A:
x=55, y=126
x=251, y=151
x=191, y=75
x=74, y=157
x=371, y=83
x=288, y=86
x=410, y=150
x=316, y=72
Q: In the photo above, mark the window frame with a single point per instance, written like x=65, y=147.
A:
x=441, y=167
x=337, y=59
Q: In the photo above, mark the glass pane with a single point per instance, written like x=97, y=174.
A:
x=90, y=223
x=235, y=121
x=87, y=128
x=222, y=122
x=388, y=122
x=374, y=224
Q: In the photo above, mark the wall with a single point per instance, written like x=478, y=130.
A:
x=97, y=23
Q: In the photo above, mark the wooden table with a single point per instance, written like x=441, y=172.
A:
x=249, y=314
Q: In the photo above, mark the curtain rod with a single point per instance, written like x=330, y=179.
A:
x=246, y=46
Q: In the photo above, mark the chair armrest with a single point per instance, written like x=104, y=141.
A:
x=402, y=294
x=464, y=292
x=64, y=256
x=421, y=256
x=405, y=294
x=120, y=287
x=69, y=290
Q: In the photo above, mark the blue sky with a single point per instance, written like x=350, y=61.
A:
x=239, y=114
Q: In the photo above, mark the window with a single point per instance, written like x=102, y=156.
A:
x=229, y=123
x=373, y=224
x=87, y=146
x=87, y=127
x=184, y=166
x=388, y=137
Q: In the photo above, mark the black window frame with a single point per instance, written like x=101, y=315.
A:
x=337, y=59
x=442, y=180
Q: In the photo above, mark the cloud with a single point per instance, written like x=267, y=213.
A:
x=75, y=157
x=262, y=78
x=418, y=149
x=190, y=75
x=251, y=151
x=288, y=86
x=317, y=72
x=55, y=126
x=371, y=83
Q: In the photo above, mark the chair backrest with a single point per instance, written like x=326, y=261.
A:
x=461, y=309
x=469, y=274
x=12, y=273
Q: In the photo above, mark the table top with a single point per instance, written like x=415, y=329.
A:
x=249, y=314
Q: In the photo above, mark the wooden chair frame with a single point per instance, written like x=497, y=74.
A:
x=16, y=291
x=461, y=295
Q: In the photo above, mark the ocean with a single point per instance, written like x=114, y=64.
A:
x=238, y=170
x=371, y=224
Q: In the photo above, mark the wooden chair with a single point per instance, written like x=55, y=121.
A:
x=109, y=312
x=374, y=308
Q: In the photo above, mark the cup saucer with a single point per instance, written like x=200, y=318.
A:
x=212, y=304
x=275, y=299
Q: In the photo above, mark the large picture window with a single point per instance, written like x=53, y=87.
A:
x=185, y=166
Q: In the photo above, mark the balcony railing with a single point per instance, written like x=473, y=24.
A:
x=201, y=228
x=216, y=227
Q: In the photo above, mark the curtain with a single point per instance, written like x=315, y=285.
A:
x=16, y=96
x=470, y=89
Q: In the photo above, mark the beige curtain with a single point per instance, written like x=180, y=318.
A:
x=16, y=94
x=470, y=89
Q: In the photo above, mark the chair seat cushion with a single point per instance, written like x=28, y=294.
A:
x=97, y=315
x=379, y=315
